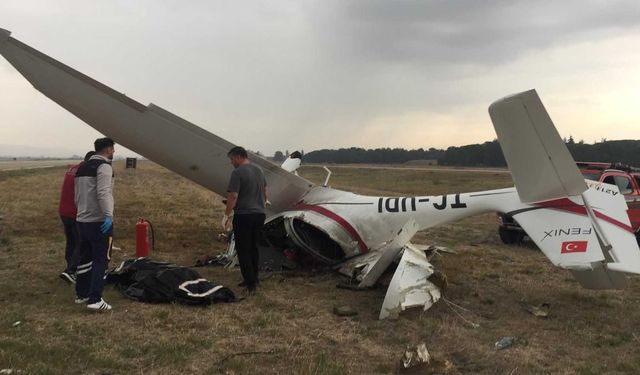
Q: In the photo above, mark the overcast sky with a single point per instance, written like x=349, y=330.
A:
x=285, y=75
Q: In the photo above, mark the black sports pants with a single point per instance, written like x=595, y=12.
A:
x=247, y=229
x=95, y=253
x=72, y=253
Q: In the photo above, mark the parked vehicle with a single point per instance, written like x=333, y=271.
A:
x=626, y=178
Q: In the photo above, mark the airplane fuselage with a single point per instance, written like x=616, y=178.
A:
x=359, y=224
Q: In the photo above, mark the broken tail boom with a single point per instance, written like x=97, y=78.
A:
x=580, y=226
x=589, y=234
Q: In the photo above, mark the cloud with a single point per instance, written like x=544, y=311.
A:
x=458, y=33
x=319, y=74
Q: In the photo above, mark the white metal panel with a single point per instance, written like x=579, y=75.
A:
x=410, y=286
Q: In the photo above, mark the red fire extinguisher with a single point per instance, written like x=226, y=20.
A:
x=143, y=227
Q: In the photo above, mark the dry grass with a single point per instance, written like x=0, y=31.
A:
x=290, y=320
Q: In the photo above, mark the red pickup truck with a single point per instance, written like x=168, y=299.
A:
x=625, y=177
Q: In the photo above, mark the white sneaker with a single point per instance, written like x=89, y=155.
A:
x=80, y=301
x=99, y=306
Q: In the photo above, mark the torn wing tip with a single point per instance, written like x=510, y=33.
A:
x=508, y=98
x=4, y=35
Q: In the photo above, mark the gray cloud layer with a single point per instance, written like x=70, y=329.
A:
x=473, y=32
x=309, y=74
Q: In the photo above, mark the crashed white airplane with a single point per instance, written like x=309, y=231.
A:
x=362, y=235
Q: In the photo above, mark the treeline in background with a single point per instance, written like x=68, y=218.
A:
x=486, y=154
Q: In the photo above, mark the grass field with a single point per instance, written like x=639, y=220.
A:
x=289, y=327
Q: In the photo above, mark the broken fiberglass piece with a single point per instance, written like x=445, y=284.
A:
x=413, y=357
x=410, y=286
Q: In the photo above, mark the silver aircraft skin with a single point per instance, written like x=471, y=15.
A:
x=362, y=235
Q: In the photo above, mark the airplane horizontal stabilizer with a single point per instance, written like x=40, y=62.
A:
x=597, y=250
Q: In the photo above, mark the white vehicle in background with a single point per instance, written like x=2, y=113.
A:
x=580, y=227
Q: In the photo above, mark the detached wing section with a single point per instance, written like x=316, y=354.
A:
x=148, y=130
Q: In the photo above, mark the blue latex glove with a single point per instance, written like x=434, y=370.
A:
x=106, y=226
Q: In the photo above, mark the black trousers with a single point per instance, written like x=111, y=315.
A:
x=247, y=229
x=71, y=252
x=95, y=253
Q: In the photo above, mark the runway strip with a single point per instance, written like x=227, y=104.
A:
x=15, y=165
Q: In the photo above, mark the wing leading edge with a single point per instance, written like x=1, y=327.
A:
x=151, y=131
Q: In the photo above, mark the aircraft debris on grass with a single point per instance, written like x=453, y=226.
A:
x=362, y=235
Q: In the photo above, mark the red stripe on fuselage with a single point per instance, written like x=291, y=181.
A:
x=338, y=219
x=565, y=204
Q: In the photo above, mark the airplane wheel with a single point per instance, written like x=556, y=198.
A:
x=510, y=236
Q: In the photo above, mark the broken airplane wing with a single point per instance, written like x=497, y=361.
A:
x=175, y=143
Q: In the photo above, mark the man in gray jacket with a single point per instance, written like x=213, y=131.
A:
x=94, y=200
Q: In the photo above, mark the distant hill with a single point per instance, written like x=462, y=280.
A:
x=372, y=156
x=487, y=154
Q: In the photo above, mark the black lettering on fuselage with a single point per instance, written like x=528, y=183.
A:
x=396, y=204
x=410, y=204
x=457, y=203
x=404, y=204
x=442, y=205
x=392, y=208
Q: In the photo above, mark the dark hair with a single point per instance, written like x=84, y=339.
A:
x=102, y=143
x=237, y=151
x=89, y=155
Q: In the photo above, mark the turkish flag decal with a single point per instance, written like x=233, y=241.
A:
x=574, y=247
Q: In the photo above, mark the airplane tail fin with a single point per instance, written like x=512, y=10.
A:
x=584, y=229
x=541, y=166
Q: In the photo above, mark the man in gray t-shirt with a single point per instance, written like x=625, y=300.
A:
x=248, y=181
x=246, y=197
